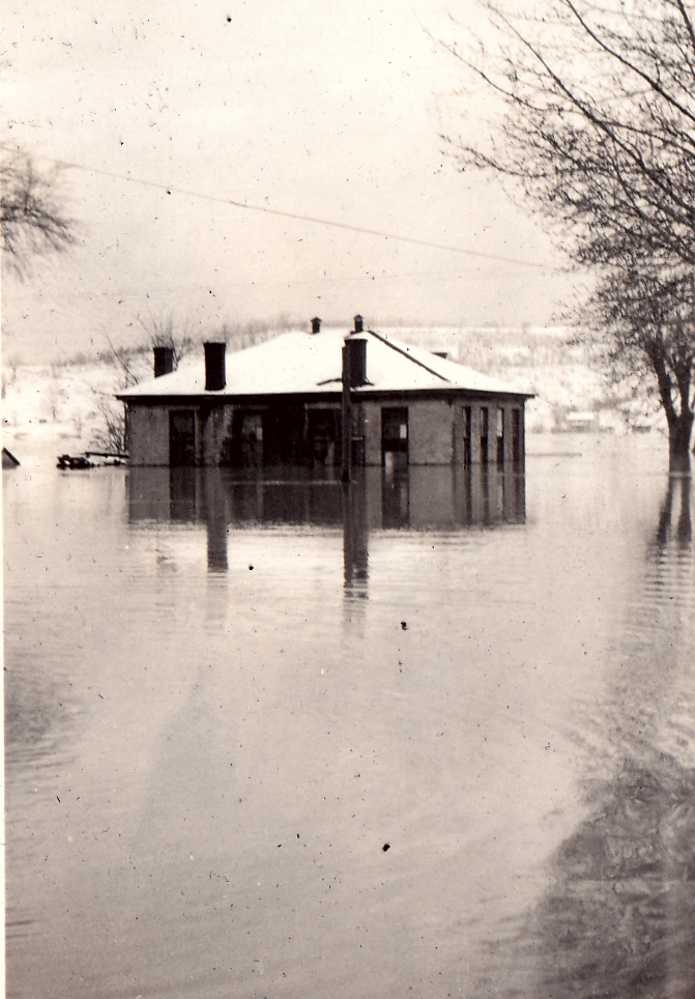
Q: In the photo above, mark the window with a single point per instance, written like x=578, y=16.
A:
x=516, y=435
x=394, y=424
x=499, y=433
x=252, y=427
x=246, y=446
x=394, y=436
x=324, y=432
x=466, y=434
x=484, y=431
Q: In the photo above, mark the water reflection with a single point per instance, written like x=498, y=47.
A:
x=426, y=498
x=355, y=539
x=40, y=716
x=671, y=527
x=618, y=917
x=422, y=499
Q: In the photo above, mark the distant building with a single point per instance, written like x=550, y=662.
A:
x=599, y=421
x=282, y=402
x=583, y=422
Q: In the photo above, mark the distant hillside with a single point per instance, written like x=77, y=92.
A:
x=70, y=397
x=566, y=382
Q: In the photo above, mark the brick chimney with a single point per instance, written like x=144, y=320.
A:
x=356, y=347
x=163, y=360
x=215, y=373
x=359, y=324
x=316, y=324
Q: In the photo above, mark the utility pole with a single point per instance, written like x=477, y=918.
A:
x=347, y=417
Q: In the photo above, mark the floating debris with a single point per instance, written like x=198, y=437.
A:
x=81, y=461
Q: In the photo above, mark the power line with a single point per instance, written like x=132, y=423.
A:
x=313, y=219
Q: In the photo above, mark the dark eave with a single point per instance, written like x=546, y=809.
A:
x=373, y=394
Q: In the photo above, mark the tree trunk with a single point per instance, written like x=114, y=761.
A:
x=679, y=419
x=680, y=428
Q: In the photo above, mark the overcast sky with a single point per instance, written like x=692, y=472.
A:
x=314, y=107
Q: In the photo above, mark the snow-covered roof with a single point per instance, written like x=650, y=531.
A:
x=303, y=363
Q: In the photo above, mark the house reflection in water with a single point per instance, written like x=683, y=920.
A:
x=422, y=499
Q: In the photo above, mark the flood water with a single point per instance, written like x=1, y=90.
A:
x=429, y=737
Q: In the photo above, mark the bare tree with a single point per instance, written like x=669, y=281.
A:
x=124, y=359
x=161, y=331
x=31, y=217
x=649, y=318
x=165, y=331
x=112, y=434
x=597, y=129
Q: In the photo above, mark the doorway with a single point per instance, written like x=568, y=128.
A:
x=499, y=436
x=394, y=437
x=484, y=433
x=466, y=435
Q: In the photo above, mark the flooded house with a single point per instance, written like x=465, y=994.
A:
x=322, y=398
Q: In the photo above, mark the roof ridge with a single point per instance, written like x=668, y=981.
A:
x=406, y=353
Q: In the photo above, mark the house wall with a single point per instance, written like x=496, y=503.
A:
x=459, y=435
x=371, y=422
x=148, y=434
x=476, y=406
x=430, y=436
x=435, y=430
x=430, y=429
